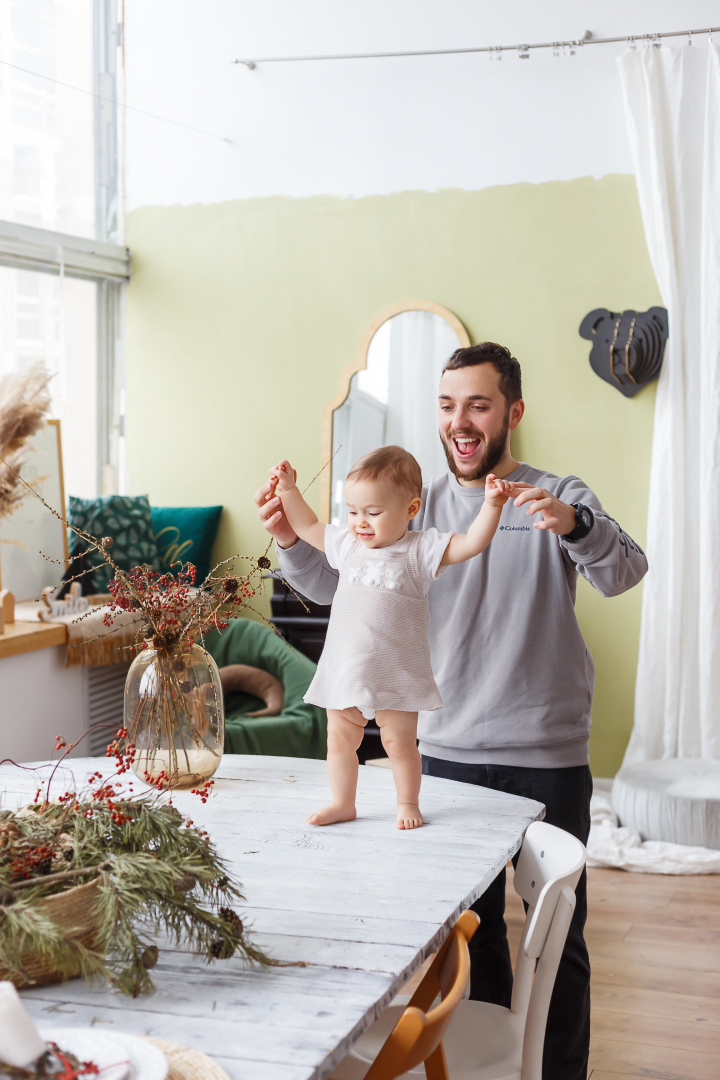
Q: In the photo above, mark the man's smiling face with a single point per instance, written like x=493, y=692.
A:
x=475, y=420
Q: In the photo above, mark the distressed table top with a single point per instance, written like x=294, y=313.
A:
x=361, y=903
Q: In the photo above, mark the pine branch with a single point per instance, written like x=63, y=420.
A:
x=156, y=872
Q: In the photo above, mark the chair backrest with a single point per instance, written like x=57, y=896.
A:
x=550, y=864
x=417, y=1036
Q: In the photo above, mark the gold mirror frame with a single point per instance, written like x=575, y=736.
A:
x=360, y=364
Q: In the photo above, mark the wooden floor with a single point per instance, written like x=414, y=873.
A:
x=654, y=944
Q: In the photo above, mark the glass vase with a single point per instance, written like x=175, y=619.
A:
x=174, y=714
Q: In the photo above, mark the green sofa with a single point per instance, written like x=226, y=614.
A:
x=301, y=729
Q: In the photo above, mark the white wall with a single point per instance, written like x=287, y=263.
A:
x=39, y=699
x=354, y=128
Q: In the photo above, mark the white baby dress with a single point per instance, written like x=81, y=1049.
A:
x=376, y=653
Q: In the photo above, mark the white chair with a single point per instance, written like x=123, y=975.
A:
x=489, y=1042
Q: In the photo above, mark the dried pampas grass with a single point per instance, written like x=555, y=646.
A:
x=24, y=404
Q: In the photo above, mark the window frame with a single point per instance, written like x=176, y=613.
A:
x=101, y=260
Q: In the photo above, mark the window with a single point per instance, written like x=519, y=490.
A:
x=62, y=268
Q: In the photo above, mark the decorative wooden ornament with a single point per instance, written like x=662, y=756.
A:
x=73, y=604
x=628, y=347
x=7, y=606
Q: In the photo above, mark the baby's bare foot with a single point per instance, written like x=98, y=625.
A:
x=409, y=816
x=332, y=813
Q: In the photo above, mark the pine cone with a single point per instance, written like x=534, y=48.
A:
x=186, y=883
x=264, y=563
x=223, y=950
x=9, y=834
x=150, y=957
x=63, y=852
x=232, y=921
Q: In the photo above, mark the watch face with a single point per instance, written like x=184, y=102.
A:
x=585, y=516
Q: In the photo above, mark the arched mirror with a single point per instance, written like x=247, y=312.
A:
x=389, y=395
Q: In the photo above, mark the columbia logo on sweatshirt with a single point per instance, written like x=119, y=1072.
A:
x=514, y=528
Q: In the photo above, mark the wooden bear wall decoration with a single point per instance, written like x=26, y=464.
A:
x=628, y=348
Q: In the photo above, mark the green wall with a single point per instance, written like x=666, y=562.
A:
x=241, y=315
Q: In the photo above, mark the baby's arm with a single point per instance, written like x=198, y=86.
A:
x=302, y=519
x=464, y=546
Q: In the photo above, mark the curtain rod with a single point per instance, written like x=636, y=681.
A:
x=523, y=51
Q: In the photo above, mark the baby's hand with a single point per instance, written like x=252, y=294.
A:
x=283, y=475
x=497, y=492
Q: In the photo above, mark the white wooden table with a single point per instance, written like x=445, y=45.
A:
x=361, y=903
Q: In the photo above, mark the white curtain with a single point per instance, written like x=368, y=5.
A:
x=672, y=101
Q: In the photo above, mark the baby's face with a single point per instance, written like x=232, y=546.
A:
x=378, y=511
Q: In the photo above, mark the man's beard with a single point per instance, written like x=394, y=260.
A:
x=494, y=450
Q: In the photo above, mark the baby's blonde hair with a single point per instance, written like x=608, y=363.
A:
x=391, y=463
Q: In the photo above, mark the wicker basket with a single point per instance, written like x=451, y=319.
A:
x=76, y=912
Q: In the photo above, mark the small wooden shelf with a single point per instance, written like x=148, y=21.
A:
x=22, y=637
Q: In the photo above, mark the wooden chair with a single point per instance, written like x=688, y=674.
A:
x=403, y=1038
x=484, y=1041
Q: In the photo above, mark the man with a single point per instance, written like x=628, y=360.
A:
x=514, y=673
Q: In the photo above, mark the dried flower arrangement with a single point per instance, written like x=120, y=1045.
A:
x=173, y=694
x=143, y=866
x=176, y=715
x=24, y=404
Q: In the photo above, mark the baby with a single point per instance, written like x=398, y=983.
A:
x=376, y=659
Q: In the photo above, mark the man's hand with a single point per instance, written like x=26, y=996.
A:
x=271, y=514
x=557, y=517
x=284, y=476
x=497, y=492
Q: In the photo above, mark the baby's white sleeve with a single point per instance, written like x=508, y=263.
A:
x=431, y=548
x=336, y=542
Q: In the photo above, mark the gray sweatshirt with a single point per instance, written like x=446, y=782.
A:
x=514, y=673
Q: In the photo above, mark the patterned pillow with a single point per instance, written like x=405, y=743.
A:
x=128, y=519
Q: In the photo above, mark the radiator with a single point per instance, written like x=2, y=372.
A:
x=105, y=691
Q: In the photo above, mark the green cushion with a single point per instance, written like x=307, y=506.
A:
x=128, y=519
x=186, y=534
x=301, y=729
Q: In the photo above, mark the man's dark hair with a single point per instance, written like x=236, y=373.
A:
x=488, y=352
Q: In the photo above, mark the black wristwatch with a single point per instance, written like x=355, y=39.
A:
x=584, y=521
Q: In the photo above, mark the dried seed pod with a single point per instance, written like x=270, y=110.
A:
x=264, y=563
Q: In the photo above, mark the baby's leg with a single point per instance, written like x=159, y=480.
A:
x=399, y=737
x=345, y=732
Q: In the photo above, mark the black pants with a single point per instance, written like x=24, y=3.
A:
x=566, y=795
